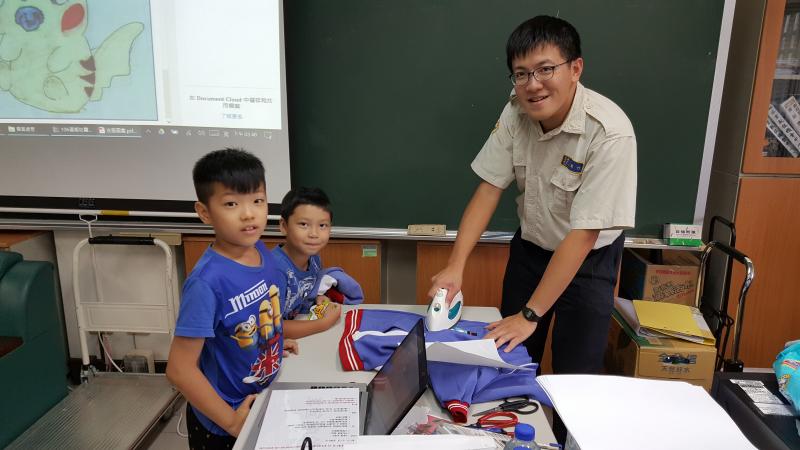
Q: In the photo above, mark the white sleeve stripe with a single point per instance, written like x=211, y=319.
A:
x=396, y=332
x=348, y=341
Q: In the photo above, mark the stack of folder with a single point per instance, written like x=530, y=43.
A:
x=650, y=319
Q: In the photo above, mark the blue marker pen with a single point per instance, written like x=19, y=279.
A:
x=461, y=330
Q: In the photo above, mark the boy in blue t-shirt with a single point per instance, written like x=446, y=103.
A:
x=228, y=342
x=306, y=222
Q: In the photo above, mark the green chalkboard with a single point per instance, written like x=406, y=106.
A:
x=390, y=100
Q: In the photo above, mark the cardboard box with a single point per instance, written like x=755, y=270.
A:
x=674, y=281
x=654, y=358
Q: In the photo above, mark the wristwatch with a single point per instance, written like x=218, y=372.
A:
x=530, y=315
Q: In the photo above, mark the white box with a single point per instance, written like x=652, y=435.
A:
x=683, y=234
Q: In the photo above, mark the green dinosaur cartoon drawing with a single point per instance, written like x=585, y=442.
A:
x=45, y=60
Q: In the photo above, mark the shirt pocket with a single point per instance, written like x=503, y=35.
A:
x=565, y=185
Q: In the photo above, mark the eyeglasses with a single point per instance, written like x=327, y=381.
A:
x=540, y=74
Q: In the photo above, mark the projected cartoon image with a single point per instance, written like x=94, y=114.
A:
x=47, y=61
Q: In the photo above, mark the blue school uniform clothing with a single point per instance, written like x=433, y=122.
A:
x=236, y=308
x=300, y=294
x=371, y=336
x=340, y=287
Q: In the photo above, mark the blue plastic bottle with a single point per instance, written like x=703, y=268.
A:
x=523, y=438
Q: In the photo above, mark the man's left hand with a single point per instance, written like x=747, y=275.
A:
x=512, y=330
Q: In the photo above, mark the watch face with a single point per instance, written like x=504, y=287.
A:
x=529, y=314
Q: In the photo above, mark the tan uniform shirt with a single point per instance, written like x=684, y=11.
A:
x=581, y=175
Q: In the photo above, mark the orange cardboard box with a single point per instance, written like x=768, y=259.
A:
x=674, y=281
x=656, y=358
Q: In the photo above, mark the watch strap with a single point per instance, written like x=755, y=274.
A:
x=530, y=315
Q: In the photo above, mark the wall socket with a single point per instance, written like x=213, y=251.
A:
x=422, y=229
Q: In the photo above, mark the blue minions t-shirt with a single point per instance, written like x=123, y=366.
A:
x=236, y=308
x=299, y=296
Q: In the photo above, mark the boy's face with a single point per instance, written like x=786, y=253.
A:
x=238, y=219
x=307, y=230
x=547, y=101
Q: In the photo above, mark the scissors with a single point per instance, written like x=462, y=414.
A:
x=509, y=404
x=497, y=419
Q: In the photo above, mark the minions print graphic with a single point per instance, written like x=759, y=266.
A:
x=267, y=334
x=245, y=333
x=47, y=62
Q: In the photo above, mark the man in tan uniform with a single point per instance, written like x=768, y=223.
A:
x=572, y=153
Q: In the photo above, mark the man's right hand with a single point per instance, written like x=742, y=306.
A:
x=240, y=415
x=449, y=278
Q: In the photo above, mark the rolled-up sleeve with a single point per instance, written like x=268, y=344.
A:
x=607, y=195
x=494, y=162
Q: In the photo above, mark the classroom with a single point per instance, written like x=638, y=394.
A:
x=278, y=224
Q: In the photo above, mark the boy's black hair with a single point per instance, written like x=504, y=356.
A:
x=304, y=196
x=232, y=167
x=539, y=31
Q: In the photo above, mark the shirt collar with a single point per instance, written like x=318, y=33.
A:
x=576, y=118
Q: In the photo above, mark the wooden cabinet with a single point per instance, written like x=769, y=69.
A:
x=10, y=239
x=767, y=213
x=767, y=221
x=483, y=275
x=754, y=179
x=361, y=259
x=773, y=134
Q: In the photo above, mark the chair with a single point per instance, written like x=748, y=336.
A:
x=33, y=354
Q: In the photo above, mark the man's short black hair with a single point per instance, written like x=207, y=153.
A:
x=304, y=196
x=542, y=30
x=232, y=167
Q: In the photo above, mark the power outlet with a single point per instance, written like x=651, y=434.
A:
x=422, y=229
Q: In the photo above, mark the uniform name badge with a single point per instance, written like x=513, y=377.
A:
x=571, y=165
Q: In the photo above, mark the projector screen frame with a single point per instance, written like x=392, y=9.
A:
x=54, y=205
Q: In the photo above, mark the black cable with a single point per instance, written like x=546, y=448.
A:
x=307, y=440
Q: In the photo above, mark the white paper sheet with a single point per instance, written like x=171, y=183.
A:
x=328, y=416
x=755, y=383
x=608, y=412
x=479, y=352
x=772, y=409
x=417, y=442
x=761, y=395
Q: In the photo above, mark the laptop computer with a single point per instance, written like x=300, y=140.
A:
x=395, y=389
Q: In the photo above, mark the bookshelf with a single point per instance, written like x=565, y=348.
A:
x=773, y=134
x=755, y=179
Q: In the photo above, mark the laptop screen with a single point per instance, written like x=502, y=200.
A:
x=398, y=385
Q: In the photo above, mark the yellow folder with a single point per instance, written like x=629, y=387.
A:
x=679, y=321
